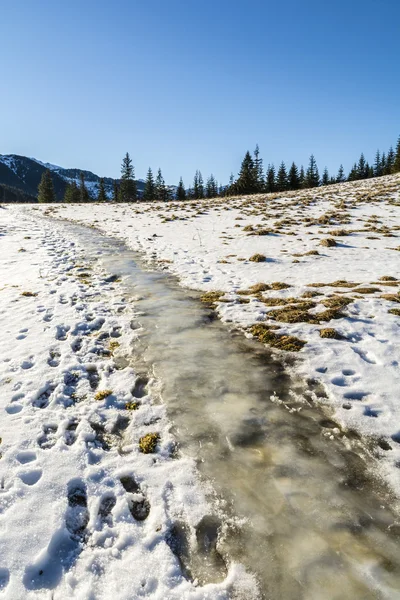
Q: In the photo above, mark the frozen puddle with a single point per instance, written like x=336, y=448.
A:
x=318, y=526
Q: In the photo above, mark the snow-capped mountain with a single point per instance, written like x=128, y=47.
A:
x=23, y=174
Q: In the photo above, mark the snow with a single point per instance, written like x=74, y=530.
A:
x=9, y=161
x=71, y=471
x=205, y=245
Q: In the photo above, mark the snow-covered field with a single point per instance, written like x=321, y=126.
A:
x=347, y=290
x=84, y=513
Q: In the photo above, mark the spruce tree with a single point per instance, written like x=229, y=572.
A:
x=246, y=182
x=312, y=175
x=354, y=174
x=101, y=196
x=294, y=179
x=383, y=163
x=115, y=197
x=325, y=177
x=230, y=188
x=127, y=188
x=340, y=176
x=72, y=193
x=302, y=177
x=201, y=185
x=46, y=189
x=149, y=187
x=396, y=164
x=361, y=167
x=282, y=178
x=195, y=188
x=211, y=187
x=389, y=161
x=377, y=164
x=258, y=170
x=161, y=191
x=83, y=193
x=271, y=180
x=181, y=192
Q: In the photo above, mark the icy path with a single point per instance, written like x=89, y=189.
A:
x=84, y=513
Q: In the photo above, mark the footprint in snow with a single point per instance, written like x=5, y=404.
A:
x=105, y=509
x=61, y=332
x=4, y=578
x=65, y=544
x=26, y=456
x=13, y=409
x=70, y=432
x=48, y=438
x=43, y=395
x=28, y=364
x=31, y=477
x=138, y=504
x=54, y=356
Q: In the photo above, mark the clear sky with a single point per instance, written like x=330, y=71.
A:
x=186, y=84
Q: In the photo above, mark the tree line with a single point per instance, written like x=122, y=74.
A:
x=251, y=180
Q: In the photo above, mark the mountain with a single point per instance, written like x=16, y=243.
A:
x=20, y=177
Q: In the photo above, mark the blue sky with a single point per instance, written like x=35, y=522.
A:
x=189, y=85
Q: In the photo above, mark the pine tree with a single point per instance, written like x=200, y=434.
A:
x=258, y=170
x=389, y=161
x=83, y=193
x=101, y=196
x=312, y=175
x=46, y=189
x=377, y=164
x=302, y=177
x=271, y=179
x=246, y=182
x=383, y=162
x=127, y=188
x=211, y=187
x=115, y=191
x=230, y=188
x=201, y=186
x=325, y=177
x=340, y=176
x=354, y=174
x=196, y=186
x=294, y=179
x=161, y=191
x=282, y=178
x=72, y=193
x=361, y=167
x=181, y=192
x=149, y=187
x=396, y=164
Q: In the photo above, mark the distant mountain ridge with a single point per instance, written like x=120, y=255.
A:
x=20, y=177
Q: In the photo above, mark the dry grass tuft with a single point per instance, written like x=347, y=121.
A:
x=391, y=297
x=288, y=343
x=213, y=296
x=148, y=443
x=279, y=285
x=102, y=395
x=132, y=405
x=328, y=242
x=329, y=332
x=258, y=258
